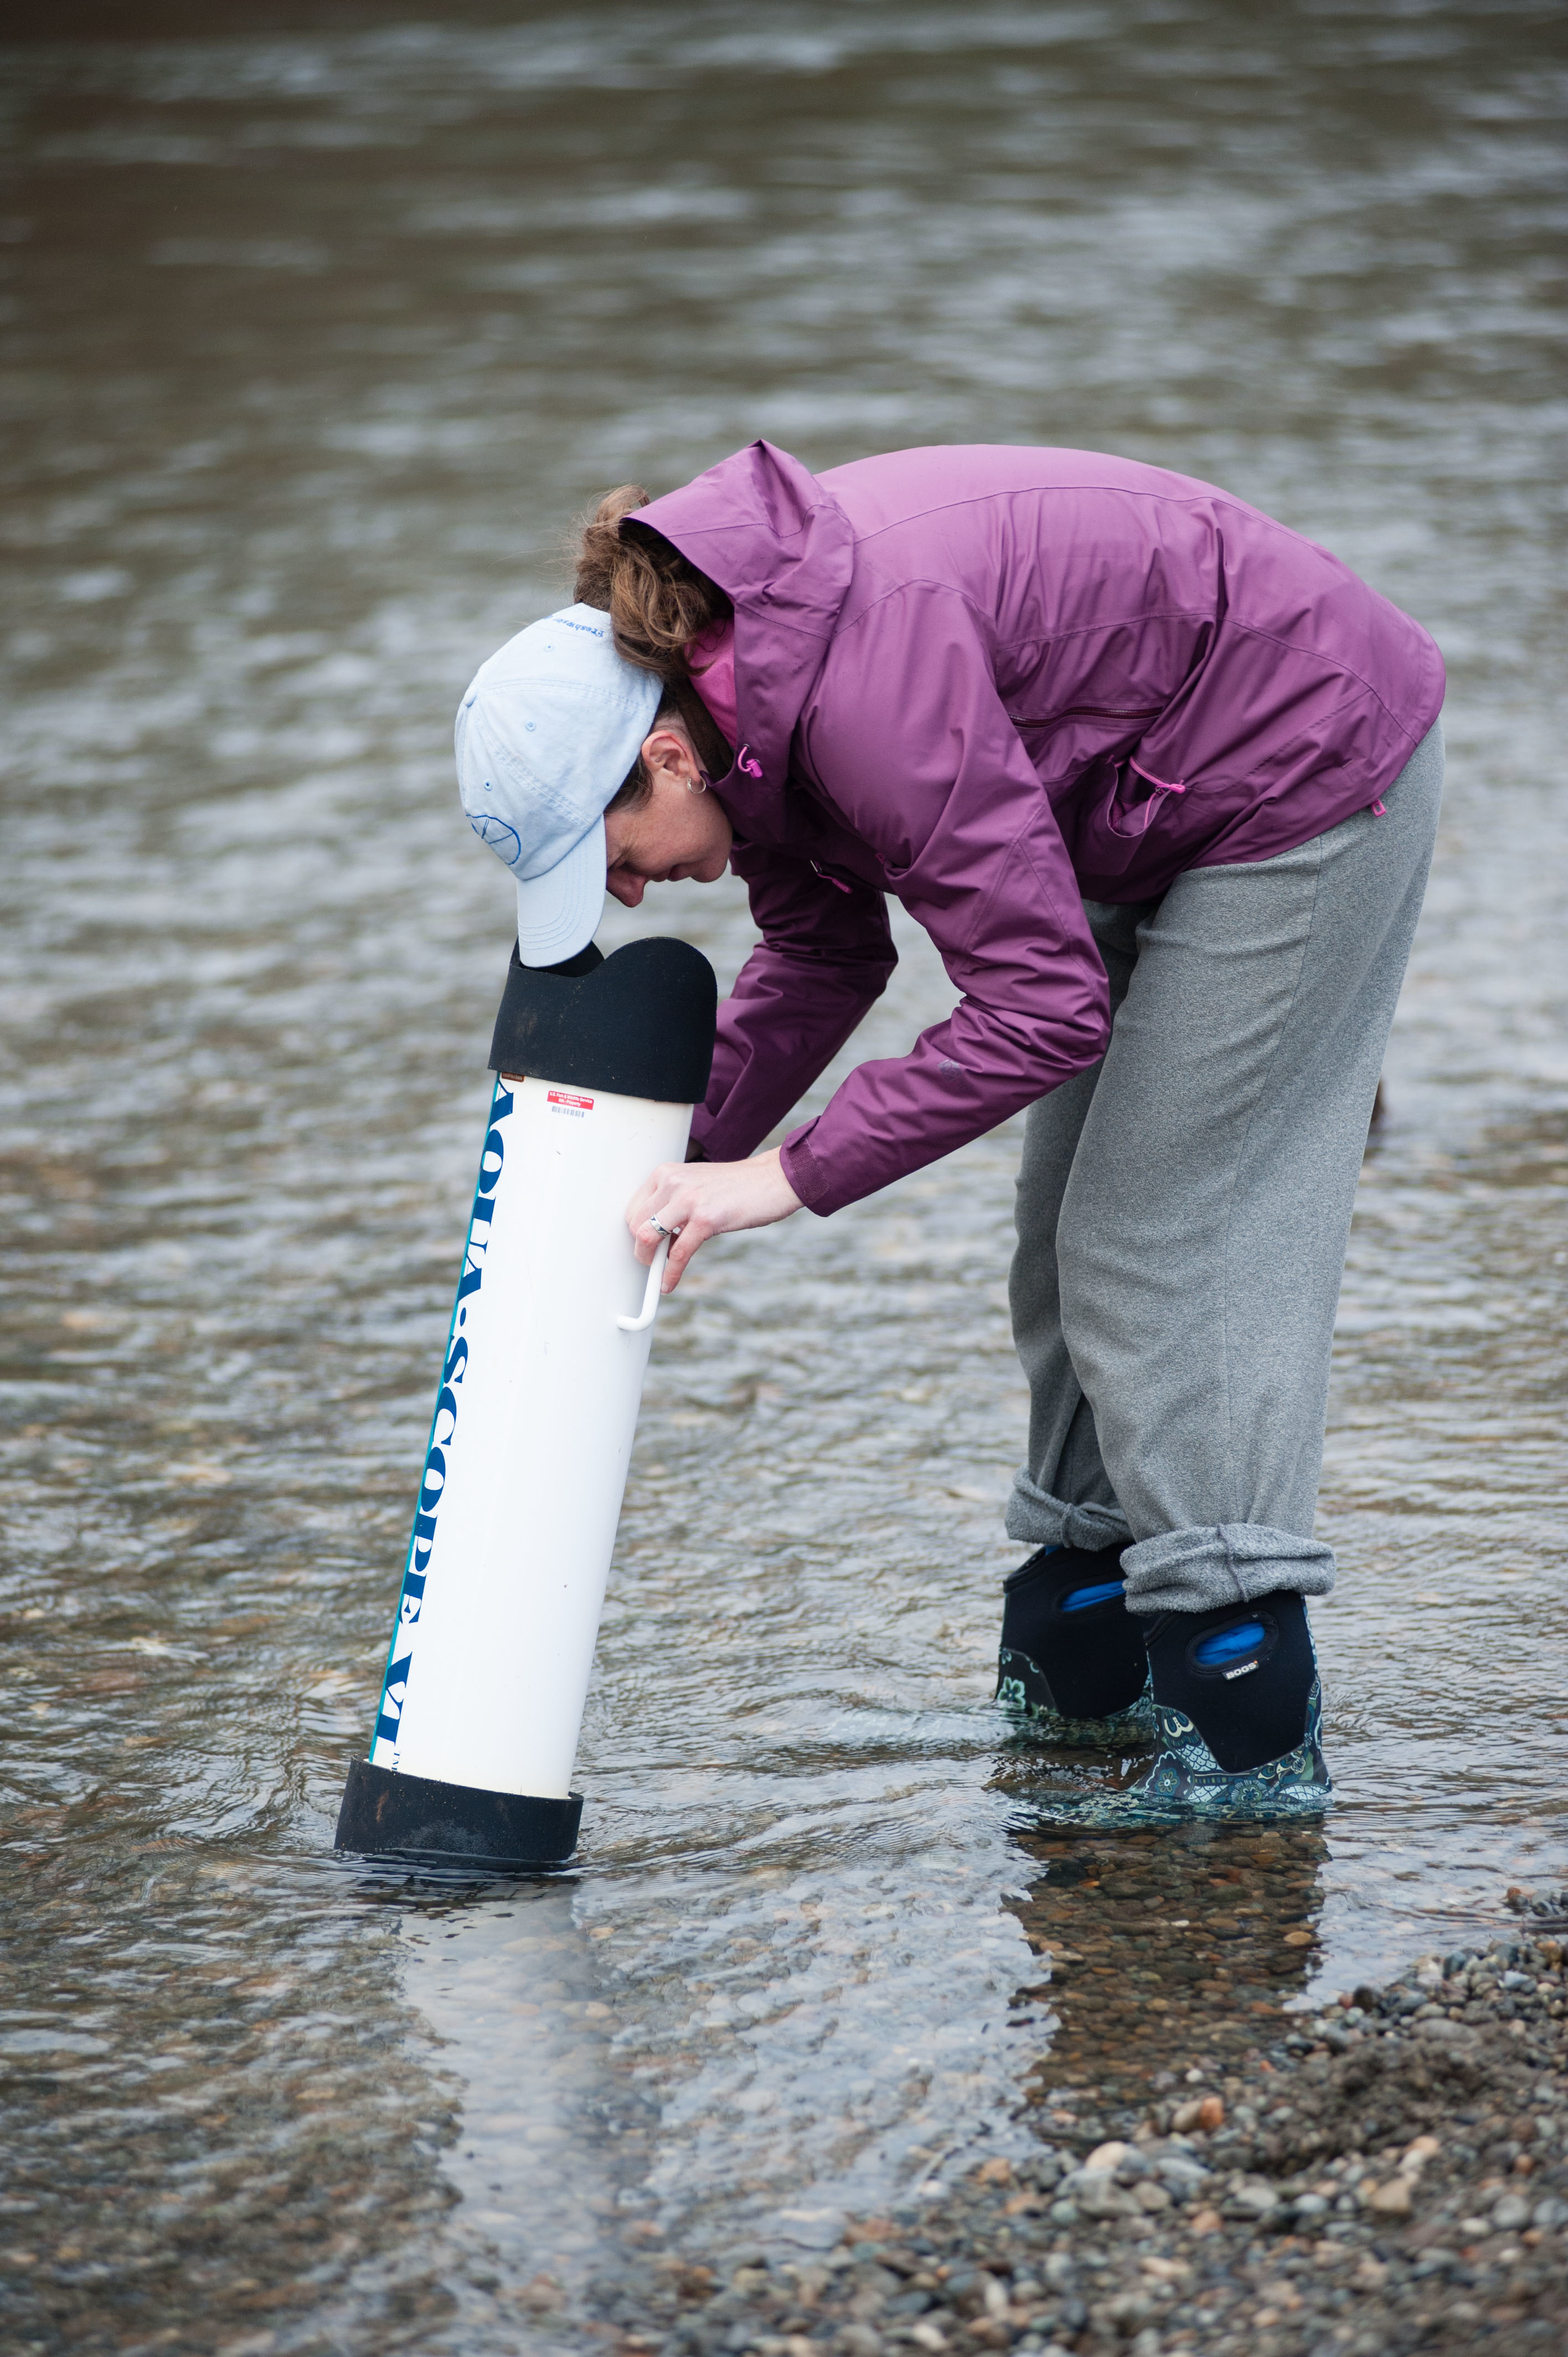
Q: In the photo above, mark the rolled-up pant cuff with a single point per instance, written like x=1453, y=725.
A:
x=1033, y=1515
x=1227, y=1563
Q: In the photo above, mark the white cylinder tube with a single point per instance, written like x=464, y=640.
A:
x=482, y=1699
x=529, y=1446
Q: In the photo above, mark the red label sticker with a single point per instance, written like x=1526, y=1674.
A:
x=568, y=1101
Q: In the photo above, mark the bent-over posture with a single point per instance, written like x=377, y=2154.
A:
x=1160, y=780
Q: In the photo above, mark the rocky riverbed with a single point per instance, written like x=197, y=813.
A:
x=1390, y=2174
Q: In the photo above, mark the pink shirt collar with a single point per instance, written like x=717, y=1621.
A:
x=712, y=658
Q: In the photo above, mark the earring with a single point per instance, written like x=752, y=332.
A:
x=701, y=788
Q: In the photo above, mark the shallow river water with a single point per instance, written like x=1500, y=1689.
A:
x=319, y=323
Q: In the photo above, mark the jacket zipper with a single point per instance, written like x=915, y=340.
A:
x=1089, y=712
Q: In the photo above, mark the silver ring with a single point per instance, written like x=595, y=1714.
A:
x=655, y=1221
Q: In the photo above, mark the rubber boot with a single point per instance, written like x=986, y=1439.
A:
x=1238, y=1713
x=1072, y=1666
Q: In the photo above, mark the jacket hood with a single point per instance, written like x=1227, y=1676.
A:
x=782, y=548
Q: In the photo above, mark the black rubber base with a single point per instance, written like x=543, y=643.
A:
x=426, y=1822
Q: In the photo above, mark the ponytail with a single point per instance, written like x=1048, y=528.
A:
x=657, y=601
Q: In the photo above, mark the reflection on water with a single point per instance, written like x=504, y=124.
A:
x=1167, y=1953
x=315, y=338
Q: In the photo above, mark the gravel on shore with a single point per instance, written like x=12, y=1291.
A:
x=1387, y=2175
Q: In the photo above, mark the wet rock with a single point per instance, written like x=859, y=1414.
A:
x=542, y=2295
x=1184, y=2176
x=1252, y=2198
x=1124, y=2314
x=1098, y=2195
x=1551, y=1907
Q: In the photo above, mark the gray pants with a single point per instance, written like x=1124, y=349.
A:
x=1183, y=1210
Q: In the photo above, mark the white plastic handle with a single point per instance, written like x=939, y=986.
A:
x=649, y=1310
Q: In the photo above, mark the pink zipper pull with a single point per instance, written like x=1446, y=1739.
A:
x=1161, y=785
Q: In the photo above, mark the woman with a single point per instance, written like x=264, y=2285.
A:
x=1160, y=780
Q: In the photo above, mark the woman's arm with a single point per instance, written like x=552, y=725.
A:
x=911, y=746
x=908, y=738
x=824, y=958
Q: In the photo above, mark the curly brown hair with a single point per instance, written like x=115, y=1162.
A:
x=658, y=603
x=656, y=600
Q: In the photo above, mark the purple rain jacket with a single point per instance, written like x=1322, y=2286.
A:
x=996, y=683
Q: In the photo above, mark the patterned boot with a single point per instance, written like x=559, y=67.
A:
x=1238, y=1723
x=1072, y=1668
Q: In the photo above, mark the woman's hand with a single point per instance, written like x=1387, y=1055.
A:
x=698, y=1200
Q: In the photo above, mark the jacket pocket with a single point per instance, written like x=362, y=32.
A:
x=1137, y=800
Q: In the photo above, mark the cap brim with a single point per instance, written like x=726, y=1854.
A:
x=558, y=912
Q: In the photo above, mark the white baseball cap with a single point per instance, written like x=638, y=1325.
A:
x=546, y=736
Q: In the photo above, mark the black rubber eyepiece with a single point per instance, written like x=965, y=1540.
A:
x=639, y=1023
